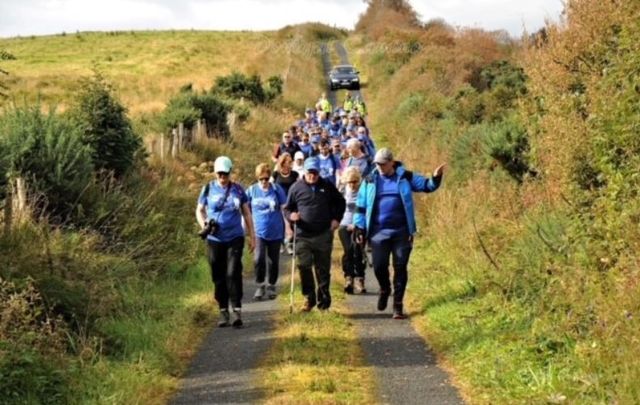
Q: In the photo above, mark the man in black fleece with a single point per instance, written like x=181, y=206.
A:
x=316, y=206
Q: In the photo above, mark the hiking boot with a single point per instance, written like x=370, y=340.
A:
x=260, y=291
x=307, y=306
x=383, y=298
x=348, y=285
x=358, y=285
x=223, y=320
x=271, y=292
x=397, y=312
x=237, y=318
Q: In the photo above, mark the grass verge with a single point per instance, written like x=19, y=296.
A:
x=316, y=358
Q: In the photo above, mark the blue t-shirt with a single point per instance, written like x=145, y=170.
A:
x=329, y=165
x=266, y=211
x=389, y=219
x=227, y=215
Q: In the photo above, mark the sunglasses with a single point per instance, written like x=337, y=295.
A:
x=263, y=179
x=222, y=173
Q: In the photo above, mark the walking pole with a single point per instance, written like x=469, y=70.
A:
x=293, y=267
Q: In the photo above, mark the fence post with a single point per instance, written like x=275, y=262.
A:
x=174, y=143
x=180, y=137
x=161, y=147
x=8, y=209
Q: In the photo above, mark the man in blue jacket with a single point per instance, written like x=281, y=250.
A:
x=385, y=217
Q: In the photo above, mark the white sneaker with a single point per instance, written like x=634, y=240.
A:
x=259, y=294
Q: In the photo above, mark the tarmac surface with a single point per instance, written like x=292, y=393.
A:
x=226, y=366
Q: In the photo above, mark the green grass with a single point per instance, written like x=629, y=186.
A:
x=152, y=342
x=316, y=357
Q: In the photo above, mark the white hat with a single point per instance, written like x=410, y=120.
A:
x=222, y=164
x=298, y=155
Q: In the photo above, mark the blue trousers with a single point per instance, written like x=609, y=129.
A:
x=398, y=248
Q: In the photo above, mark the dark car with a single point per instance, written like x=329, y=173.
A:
x=344, y=77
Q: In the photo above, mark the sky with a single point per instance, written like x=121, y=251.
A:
x=42, y=17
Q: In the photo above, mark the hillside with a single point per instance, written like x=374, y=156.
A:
x=106, y=298
x=525, y=274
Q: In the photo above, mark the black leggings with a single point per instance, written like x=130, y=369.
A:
x=352, y=260
x=225, y=260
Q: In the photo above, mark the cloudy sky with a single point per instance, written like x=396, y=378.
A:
x=38, y=17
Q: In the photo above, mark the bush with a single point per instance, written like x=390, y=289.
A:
x=31, y=367
x=105, y=127
x=509, y=145
x=238, y=86
x=187, y=107
x=48, y=151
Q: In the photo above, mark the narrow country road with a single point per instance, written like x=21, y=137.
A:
x=406, y=369
x=224, y=369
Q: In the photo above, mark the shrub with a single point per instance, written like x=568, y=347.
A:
x=105, y=126
x=31, y=368
x=238, y=86
x=50, y=152
x=187, y=107
x=508, y=144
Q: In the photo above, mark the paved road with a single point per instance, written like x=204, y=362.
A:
x=406, y=370
x=326, y=65
x=224, y=369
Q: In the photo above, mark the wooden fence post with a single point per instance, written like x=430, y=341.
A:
x=174, y=143
x=8, y=210
x=161, y=147
x=180, y=137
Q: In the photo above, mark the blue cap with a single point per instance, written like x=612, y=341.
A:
x=312, y=163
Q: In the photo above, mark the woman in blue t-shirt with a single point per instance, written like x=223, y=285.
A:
x=266, y=201
x=224, y=204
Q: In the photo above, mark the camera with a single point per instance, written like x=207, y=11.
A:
x=210, y=227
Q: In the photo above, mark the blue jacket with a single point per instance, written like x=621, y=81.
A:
x=408, y=182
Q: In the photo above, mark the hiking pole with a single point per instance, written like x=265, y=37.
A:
x=293, y=267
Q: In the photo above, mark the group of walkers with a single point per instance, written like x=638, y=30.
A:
x=328, y=176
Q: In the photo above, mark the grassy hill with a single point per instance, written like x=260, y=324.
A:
x=109, y=310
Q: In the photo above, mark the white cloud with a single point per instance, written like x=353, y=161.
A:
x=35, y=17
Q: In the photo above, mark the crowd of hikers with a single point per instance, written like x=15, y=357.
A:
x=328, y=176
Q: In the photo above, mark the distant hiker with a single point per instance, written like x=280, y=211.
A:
x=266, y=201
x=286, y=146
x=316, y=207
x=353, y=265
x=348, y=103
x=323, y=104
x=385, y=218
x=357, y=157
x=298, y=163
x=284, y=176
x=360, y=106
x=222, y=206
x=329, y=164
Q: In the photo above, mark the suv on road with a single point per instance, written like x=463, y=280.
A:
x=344, y=77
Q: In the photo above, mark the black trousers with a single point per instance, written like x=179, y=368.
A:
x=313, y=254
x=352, y=259
x=266, y=260
x=225, y=260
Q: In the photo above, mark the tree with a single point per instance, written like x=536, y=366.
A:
x=48, y=152
x=4, y=55
x=105, y=126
